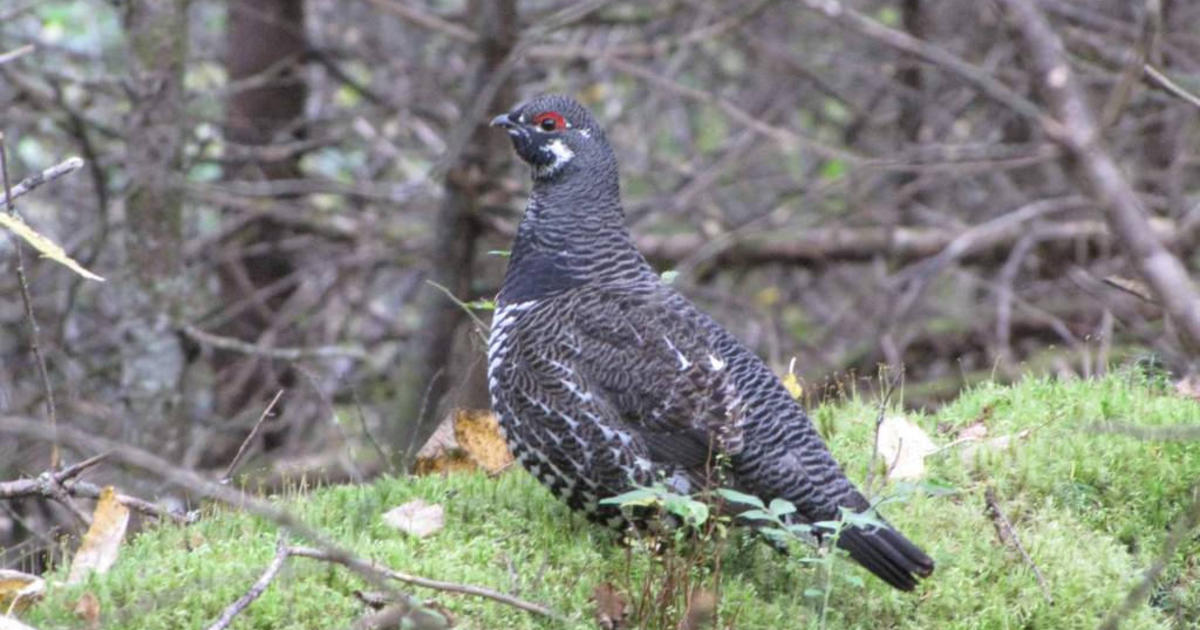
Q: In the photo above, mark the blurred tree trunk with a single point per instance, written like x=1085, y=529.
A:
x=456, y=229
x=266, y=50
x=154, y=294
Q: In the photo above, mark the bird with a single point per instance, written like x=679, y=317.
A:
x=604, y=378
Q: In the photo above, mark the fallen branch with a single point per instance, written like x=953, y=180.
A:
x=363, y=566
x=1008, y=536
x=63, y=483
x=260, y=585
x=1180, y=530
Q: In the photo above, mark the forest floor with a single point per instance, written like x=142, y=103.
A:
x=1091, y=504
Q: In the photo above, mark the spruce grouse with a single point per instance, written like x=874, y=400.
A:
x=605, y=379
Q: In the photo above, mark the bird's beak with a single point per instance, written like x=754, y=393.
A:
x=503, y=120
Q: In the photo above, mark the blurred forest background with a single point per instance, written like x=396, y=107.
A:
x=283, y=195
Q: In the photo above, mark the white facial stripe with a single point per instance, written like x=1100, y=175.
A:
x=562, y=154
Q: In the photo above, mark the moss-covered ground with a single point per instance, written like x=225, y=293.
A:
x=1092, y=509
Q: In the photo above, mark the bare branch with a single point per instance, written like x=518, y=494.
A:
x=66, y=167
x=1099, y=174
x=241, y=452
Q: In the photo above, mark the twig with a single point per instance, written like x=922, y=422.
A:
x=888, y=387
x=283, y=354
x=53, y=485
x=363, y=566
x=1186, y=522
x=1176, y=433
x=241, y=452
x=1167, y=84
x=66, y=167
x=1008, y=536
x=257, y=589
x=34, y=332
x=1098, y=173
x=13, y=55
x=189, y=480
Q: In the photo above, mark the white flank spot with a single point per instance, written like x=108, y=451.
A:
x=683, y=362
x=716, y=363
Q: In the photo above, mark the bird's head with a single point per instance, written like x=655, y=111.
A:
x=555, y=135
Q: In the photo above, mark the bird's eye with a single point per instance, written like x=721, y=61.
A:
x=550, y=121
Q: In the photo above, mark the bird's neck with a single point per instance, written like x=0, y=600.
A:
x=573, y=233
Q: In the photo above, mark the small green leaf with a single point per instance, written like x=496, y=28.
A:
x=669, y=276
x=833, y=169
x=634, y=498
x=503, y=253
x=733, y=496
x=482, y=305
x=813, y=592
x=781, y=507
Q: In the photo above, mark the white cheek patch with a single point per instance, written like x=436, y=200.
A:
x=562, y=154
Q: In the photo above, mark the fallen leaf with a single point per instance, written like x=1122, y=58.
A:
x=975, y=448
x=478, y=433
x=611, y=608
x=1189, y=386
x=102, y=543
x=791, y=382
x=416, y=518
x=18, y=590
x=44, y=246
x=903, y=447
x=974, y=431
x=88, y=609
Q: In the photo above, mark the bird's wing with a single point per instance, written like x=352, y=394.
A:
x=649, y=353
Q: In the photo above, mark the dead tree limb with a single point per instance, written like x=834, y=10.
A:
x=1074, y=127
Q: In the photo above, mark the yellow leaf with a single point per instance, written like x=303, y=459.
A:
x=43, y=245
x=19, y=590
x=792, y=383
x=478, y=433
x=102, y=542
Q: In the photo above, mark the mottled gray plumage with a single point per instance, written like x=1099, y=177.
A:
x=604, y=378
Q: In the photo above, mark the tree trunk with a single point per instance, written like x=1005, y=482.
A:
x=455, y=232
x=266, y=49
x=153, y=295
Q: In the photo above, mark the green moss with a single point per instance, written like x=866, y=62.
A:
x=1092, y=509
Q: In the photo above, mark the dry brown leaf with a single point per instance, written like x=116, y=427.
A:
x=102, y=543
x=975, y=448
x=478, y=433
x=416, y=518
x=18, y=590
x=88, y=609
x=1189, y=386
x=611, y=607
x=973, y=431
x=903, y=447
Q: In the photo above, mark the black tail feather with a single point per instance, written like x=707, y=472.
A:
x=886, y=553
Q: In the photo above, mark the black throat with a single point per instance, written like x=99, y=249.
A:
x=573, y=233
